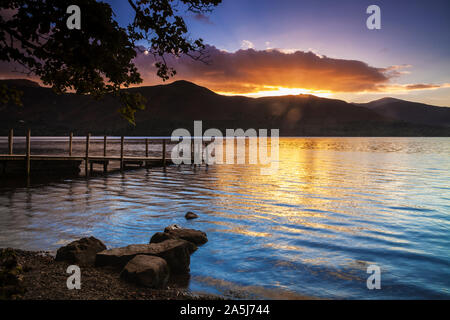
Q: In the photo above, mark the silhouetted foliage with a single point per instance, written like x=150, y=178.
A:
x=9, y=95
x=98, y=59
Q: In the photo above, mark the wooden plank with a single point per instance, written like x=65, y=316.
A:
x=99, y=160
x=11, y=141
x=118, y=158
x=66, y=158
x=28, y=154
x=86, y=160
x=12, y=157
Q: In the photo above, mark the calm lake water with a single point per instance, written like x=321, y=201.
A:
x=335, y=206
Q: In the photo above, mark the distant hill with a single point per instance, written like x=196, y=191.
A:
x=412, y=112
x=178, y=104
x=20, y=83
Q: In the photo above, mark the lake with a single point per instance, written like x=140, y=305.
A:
x=335, y=206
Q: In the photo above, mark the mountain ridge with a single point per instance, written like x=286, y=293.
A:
x=178, y=104
x=412, y=112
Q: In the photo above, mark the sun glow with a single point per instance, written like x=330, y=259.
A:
x=269, y=91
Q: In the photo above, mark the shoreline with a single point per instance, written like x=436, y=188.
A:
x=43, y=278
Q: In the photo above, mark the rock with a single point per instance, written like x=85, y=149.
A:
x=148, y=271
x=80, y=252
x=173, y=227
x=8, y=259
x=190, y=215
x=160, y=237
x=176, y=252
x=163, y=236
x=11, y=280
x=197, y=237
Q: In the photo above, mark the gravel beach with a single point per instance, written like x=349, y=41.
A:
x=43, y=278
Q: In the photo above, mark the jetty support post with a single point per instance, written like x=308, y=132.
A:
x=146, y=151
x=121, y=153
x=104, y=145
x=192, y=151
x=206, y=154
x=86, y=164
x=164, y=153
x=105, y=163
x=28, y=154
x=11, y=141
x=70, y=143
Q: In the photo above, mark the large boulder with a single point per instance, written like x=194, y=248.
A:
x=176, y=252
x=197, y=237
x=163, y=236
x=148, y=271
x=174, y=231
x=80, y=252
x=160, y=237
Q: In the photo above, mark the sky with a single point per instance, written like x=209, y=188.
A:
x=321, y=47
x=326, y=49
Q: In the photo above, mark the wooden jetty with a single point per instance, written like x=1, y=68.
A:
x=27, y=164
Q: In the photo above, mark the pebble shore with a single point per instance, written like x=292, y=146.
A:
x=43, y=278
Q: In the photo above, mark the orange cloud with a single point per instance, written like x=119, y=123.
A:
x=263, y=72
x=252, y=71
x=249, y=71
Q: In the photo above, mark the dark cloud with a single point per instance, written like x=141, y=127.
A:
x=410, y=87
x=422, y=86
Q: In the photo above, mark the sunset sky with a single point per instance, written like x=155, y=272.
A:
x=307, y=46
x=265, y=47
